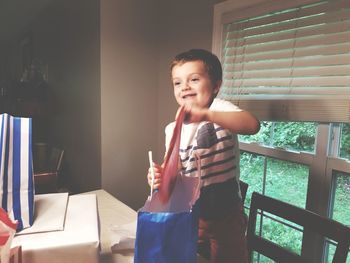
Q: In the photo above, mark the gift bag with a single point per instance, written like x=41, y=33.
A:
x=16, y=172
x=7, y=232
x=168, y=232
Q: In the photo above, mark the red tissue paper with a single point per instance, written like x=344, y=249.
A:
x=171, y=161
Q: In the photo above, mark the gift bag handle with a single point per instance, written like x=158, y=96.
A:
x=196, y=193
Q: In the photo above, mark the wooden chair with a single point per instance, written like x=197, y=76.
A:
x=46, y=180
x=244, y=189
x=318, y=224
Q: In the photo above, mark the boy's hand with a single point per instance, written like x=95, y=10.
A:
x=238, y=122
x=158, y=170
x=195, y=114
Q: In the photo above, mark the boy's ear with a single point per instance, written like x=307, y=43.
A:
x=217, y=87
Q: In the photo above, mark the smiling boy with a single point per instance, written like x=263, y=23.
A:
x=210, y=132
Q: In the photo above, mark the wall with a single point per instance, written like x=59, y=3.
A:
x=109, y=67
x=185, y=25
x=138, y=41
x=65, y=35
x=129, y=51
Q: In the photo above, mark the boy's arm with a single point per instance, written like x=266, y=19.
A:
x=239, y=122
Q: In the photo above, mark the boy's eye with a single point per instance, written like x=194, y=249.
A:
x=176, y=83
x=194, y=79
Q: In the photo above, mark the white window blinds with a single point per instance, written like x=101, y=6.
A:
x=291, y=64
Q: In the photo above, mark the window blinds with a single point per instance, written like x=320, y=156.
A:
x=292, y=64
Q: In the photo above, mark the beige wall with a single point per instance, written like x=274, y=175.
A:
x=185, y=25
x=68, y=38
x=138, y=41
x=109, y=67
x=129, y=49
x=136, y=95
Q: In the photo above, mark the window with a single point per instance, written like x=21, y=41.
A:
x=288, y=62
x=284, y=173
x=280, y=179
x=286, y=135
x=345, y=142
x=340, y=202
x=340, y=207
x=279, y=231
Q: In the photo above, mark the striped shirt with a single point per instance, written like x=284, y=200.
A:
x=218, y=151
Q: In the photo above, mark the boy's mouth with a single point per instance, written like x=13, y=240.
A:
x=187, y=96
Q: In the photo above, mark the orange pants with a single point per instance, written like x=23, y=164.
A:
x=224, y=240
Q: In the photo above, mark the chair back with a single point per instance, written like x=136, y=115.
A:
x=46, y=180
x=55, y=160
x=323, y=226
x=244, y=188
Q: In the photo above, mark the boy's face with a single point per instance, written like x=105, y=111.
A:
x=192, y=84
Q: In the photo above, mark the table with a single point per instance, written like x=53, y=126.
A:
x=81, y=241
x=114, y=212
x=78, y=242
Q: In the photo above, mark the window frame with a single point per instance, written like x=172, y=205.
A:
x=324, y=160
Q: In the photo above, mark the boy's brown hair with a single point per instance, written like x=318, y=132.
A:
x=211, y=62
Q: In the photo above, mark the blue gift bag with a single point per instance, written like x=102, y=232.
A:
x=168, y=232
x=16, y=169
x=166, y=237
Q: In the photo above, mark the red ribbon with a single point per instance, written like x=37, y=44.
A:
x=170, y=169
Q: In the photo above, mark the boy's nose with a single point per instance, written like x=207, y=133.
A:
x=186, y=87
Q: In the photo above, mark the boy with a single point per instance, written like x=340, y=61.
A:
x=211, y=132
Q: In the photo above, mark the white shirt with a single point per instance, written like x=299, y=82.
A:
x=216, y=147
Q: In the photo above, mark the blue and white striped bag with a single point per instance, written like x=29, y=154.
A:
x=16, y=169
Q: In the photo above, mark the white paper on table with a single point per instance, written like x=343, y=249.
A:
x=123, y=236
x=78, y=242
x=49, y=213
